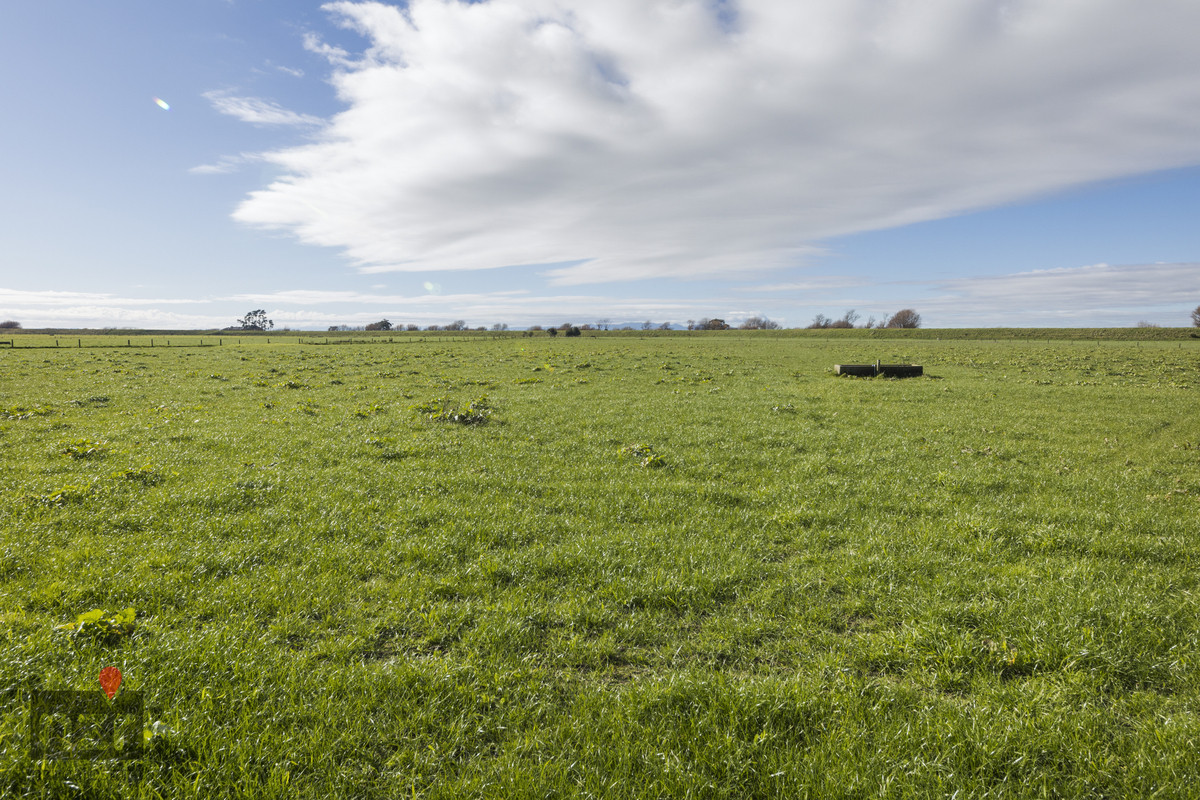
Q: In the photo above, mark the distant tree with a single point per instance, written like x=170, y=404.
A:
x=691, y=324
x=572, y=331
x=500, y=326
x=552, y=331
x=904, y=318
x=432, y=328
x=820, y=321
x=382, y=325
x=1196, y=317
x=716, y=325
x=1147, y=324
x=870, y=323
x=702, y=324
x=10, y=324
x=457, y=325
x=256, y=320
x=585, y=327
x=758, y=324
x=603, y=324
x=566, y=326
x=535, y=327
x=666, y=326
x=412, y=327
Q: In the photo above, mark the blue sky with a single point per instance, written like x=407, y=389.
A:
x=986, y=162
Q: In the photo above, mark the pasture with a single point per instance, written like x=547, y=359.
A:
x=610, y=566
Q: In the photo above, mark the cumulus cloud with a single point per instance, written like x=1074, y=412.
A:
x=257, y=111
x=633, y=139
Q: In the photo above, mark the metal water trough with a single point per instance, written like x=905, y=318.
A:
x=886, y=370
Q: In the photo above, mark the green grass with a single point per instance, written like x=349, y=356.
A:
x=611, y=566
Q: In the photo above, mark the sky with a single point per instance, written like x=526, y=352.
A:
x=984, y=162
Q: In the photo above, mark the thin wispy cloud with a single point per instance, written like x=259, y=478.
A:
x=626, y=139
x=1096, y=294
x=257, y=111
x=18, y=297
x=816, y=283
x=226, y=164
x=334, y=55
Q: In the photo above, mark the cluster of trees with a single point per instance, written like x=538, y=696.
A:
x=703, y=324
x=386, y=325
x=9, y=324
x=904, y=318
x=256, y=320
x=759, y=324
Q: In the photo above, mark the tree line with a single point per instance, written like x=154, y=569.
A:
x=257, y=320
x=904, y=318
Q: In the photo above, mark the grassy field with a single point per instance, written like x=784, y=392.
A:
x=671, y=566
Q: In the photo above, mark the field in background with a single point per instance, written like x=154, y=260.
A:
x=71, y=337
x=611, y=566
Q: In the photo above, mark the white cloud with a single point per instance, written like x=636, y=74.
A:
x=334, y=55
x=257, y=111
x=226, y=164
x=50, y=298
x=632, y=139
x=1098, y=295
x=816, y=283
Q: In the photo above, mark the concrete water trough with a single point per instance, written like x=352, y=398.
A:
x=886, y=370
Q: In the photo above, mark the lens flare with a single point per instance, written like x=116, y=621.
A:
x=162, y=104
